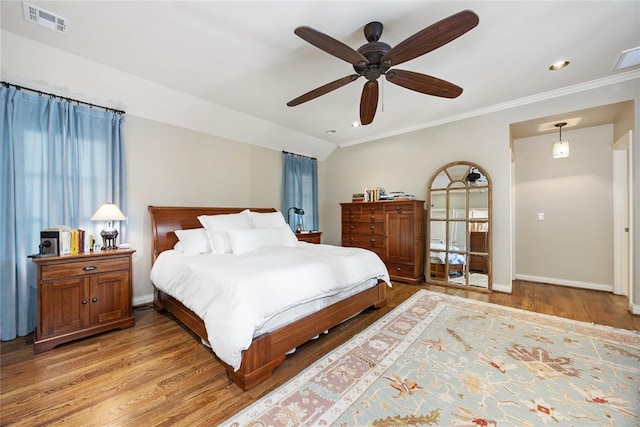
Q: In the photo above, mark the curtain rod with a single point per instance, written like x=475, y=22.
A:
x=299, y=155
x=39, y=92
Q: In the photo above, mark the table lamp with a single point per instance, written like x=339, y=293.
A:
x=109, y=212
x=297, y=211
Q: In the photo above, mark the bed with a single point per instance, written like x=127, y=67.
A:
x=267, y=350
x=437, y=258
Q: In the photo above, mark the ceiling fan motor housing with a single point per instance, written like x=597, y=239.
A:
x=373, y=51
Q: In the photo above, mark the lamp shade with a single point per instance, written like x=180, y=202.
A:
x=560, y=149
x=108, y=212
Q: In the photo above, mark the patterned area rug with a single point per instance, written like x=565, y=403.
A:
x=443, y=360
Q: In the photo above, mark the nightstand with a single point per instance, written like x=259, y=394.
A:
x=82, y=295
x=309, y=236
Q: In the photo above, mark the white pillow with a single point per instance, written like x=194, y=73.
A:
x=267, y=219
x=244, y=241
x=218, y=225
x=194, y=241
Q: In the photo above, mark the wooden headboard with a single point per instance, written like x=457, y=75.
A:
x=166, y=219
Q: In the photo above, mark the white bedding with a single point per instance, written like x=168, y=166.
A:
x=439, y=257
x=236, y=295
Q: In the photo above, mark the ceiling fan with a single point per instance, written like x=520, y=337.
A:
x=376, y=58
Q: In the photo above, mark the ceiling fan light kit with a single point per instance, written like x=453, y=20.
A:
x=375, y=58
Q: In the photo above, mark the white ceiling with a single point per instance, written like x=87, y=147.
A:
x=244, y=55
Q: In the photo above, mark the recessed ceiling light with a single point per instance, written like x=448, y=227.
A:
x=330, y=131
x=355, y=124
x=558, y=65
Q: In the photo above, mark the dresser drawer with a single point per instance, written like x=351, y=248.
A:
x=363, y=228
x=399, y=269
x=351, y=212
x=362, y=241
x=399, y=207
x=82, y=268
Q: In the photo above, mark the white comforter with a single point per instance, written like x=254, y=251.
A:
x=236, y=294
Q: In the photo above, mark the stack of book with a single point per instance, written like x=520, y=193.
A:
x=369, y=195
x=72, y=241
x=357, y=197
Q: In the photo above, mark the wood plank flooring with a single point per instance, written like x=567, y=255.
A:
x=157, y=373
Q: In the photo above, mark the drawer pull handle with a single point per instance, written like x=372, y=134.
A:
x=351, y=227
x=398, y=269
x=372, y=209
x=351, y=217
x=373, y=227
x=90, y=268
x=84, y=301
x=94, y=299
x=372, y=217
x=351, y=238
x=373, y=240
x=398, y=208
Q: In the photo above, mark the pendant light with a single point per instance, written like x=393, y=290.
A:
x=560, y=148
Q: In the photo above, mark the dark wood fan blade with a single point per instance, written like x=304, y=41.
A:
x=423, y=83
x=322, y=90
x=432, y=37
x=368, y=102
x=331, y=45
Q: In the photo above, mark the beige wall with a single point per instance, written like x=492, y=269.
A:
x=573, y=245
x=172, y=166
x=406, y=162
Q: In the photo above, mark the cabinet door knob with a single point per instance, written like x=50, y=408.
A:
x=351, y=227
x=90, y=268
x=398, y=208
x=373, y=240
x=94, y=299
x=84, y=301
x=398, y=269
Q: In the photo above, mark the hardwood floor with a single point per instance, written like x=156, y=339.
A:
x=157, y=373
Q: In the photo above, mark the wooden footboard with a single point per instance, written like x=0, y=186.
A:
x=267, y=351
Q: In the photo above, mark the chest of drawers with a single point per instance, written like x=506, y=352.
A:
x=392, y=229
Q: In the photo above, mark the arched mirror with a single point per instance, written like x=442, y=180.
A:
x=459, y=227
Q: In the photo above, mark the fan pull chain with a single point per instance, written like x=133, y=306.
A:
x=382, y=96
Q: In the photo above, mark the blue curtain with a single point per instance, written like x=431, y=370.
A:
x=60, y=161
x=300, y=190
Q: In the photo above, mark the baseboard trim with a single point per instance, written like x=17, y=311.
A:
x=564, y=282
x=507, y=289
x=144, y=299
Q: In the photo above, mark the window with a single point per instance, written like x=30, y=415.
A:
x=300, y=190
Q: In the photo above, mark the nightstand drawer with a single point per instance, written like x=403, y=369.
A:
x=82, y=268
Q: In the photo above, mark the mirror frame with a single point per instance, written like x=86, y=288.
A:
x=458, y=184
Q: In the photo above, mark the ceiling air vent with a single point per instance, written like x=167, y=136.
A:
x=45, y=18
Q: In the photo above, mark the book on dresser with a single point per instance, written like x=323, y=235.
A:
x=392, y=229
